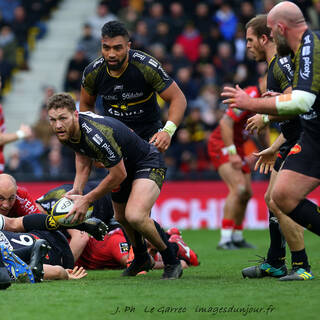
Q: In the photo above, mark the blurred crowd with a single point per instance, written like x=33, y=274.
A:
x=201, y=44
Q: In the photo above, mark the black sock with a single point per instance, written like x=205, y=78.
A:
x=300, y=260
x=168, y=255
x=24, y=253
x=39, y=222
x=140, y=247
x=277, y=250
x=307, y=215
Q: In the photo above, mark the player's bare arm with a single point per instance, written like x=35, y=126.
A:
x=87, y=101
x=177, y=106
x=83, y=169
x=226, y=126
x=268, y=156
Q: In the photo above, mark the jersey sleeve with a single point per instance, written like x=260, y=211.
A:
x=152, y=71
x=89, y=76
x=307, y=64
x=24, y=204
x=283, y=73
x=101, y=139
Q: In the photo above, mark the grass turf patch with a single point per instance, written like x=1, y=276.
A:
x=215, y=289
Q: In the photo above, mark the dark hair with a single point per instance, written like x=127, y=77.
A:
x=61, y=100
x=259, y=25
x=113, y=29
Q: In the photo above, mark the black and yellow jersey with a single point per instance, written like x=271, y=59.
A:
x=280, y=76
x=108, y=140
x=131, y=96
x=307, y=78
x=102, y=208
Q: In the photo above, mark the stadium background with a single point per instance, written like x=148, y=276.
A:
x=45, y=44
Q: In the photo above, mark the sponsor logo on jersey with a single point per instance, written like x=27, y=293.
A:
x=164, y=74
x=305, y=73
x=153, y=63
x=131, y=95
x=307, y=39
x=99, y=61
x=97, y=139
x=139, y=56
x=306, y=50
x=118, y=88
x=295, y=149
x=108, y=148
x=124, y=247
x=118, y=113
x=283, y=60
x=86, y=127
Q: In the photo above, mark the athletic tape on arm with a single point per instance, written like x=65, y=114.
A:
x=295, y=103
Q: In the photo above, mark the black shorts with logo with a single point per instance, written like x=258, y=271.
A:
x=151, y=167
x=283, y=153
x=304, y=157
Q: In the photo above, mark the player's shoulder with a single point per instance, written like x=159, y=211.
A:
x=143, y=59
x=95, y=65
x=22, y=192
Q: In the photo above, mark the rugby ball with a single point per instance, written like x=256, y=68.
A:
x=61, y=208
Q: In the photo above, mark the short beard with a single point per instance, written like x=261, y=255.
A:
x=283, y=48
x=118, y=66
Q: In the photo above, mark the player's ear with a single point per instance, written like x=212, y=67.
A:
x=129, y=44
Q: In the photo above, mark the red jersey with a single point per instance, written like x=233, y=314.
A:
x=2, y=130
x=240, y=118
x=106, y=253
x=23, y=205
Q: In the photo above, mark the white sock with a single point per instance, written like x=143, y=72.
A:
x=237, y=235
x=226, y=235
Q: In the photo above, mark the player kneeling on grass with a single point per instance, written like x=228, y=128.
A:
x=136, y=174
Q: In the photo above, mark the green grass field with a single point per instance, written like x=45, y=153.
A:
x=217, y=283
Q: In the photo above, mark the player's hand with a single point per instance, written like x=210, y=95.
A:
x=235, y=161
x=79, y=209
x=72, y=192
x=26, y=130
x=76, y=273
x=270, y=94
x=255, y=123
x=237, y=98
x=161, y=140
x=266, y=160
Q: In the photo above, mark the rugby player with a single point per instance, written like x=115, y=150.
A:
x=280, y=73
x=17, y=202
x=128, y=81
x=136, y=174
x=300, y=173
x=226, y=150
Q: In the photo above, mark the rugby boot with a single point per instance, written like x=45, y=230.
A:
x=184, y=251
x=96, y=227
x=172, y=271
x=38, y=254
x=131, y=258
x=243, y=244
x=298, y=274
x=18, y=270
x=136, y=266
x=5, y=280
x=173, y=230
x=227, y=246
x=264, y=269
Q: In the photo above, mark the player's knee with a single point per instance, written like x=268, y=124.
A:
x=135, y=220
x=279, y=198
x=243, y=193
x=267, y=199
